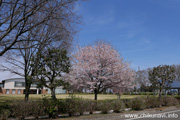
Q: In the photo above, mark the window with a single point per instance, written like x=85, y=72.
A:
x=33, y=85
x=19, y=84
x=1, y=85
x=13, y=91
x=19, y=91
x=7, y=91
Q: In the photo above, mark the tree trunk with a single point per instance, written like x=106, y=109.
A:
x=53, y=95
x=154, y=92
x=160, y=95
x=160, y=92
x=95, y=94
x=165, y=93
x=27, y=89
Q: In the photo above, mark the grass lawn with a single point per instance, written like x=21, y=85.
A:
x=4, y=98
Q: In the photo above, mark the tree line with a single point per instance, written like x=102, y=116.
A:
x=30, y=29
x=159, y=77
x=36, y=41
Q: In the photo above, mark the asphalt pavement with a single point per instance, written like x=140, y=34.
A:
x=165, y=114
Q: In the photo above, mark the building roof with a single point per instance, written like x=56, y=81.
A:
x=13, y=79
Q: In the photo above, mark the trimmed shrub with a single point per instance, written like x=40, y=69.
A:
x=5, y=114
x=75, y=105
x=62, y=107
x=152, y=102
x=117, y=105
x=138, y=103
x=127, y=103
x=105, y=106
x=78, y=106
x=126, y=93
x=71, y=106
x=37, y=109
x=178, y=98
x=92, y=106
x=169, y=101
x=50, y=107
x=83, y=106
x=21, y=109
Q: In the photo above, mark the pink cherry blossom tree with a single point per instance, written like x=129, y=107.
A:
x=99, y=67
x=126, y=81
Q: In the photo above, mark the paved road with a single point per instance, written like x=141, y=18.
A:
x=167, y=115
x=170, y=113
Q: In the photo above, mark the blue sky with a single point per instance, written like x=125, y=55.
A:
x=145, y=32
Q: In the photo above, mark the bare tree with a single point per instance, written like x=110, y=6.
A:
x=24, y=60
x=142, y=78
x=57, y=32
x=17, y=17
x=177, y=72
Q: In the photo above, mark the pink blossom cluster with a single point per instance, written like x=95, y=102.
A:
x=100, y=67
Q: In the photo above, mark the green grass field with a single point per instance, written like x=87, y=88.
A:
x=63, y=96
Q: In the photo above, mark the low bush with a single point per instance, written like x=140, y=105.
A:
x=37, y=109
x=152, y=102
x=150, y=93
x=117, y=106
x=169, y=101
x=138, y=103
x=83, y=106
x=127, y=103
x=105, y=106
x=50, y=107
x=92, y=106
x=178, y=98
x=21, y=109
x=4, y=114
x=61, y=107
x=77, y=106
x=73, y=105
x=126, y=93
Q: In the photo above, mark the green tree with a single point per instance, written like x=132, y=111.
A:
x=52, y=65
x=161, y=77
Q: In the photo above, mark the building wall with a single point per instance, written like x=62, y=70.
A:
x=44, y=91
x=9, y=84
x=2, y=91
x=10, y=88
x=11, y=91
x=59, y=90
